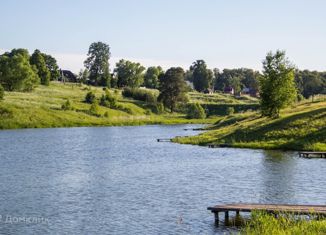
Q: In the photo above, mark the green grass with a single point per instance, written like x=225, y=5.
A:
x=220, y=98
x=301, y=127
x=266, y=224
x=42, y=108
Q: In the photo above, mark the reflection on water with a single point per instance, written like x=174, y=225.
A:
x=119, y=180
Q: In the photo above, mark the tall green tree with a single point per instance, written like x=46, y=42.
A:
x=43, y=72
x=277, y=87
x=51, y=64
x=173, y=88
x=151, y=77
x=129, y=74
x=310, y=83
x=16, y=72
x=2, y=92
x=202, y=76
x=248, y=78
x=97, y=63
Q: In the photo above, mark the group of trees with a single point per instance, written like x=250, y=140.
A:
x=278, y=84
x=20, y=71
x=310, y=83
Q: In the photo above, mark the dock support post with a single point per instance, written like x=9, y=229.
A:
x=226, y=218
x=216, y=218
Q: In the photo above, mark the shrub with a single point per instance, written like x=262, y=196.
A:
x=67, y=105
x=6, y=113
x=159, y=108
x=230, y=110
x=95, y=109
x=300, y=97
x=148, y=112
x=90, y=97
x=2, y=92
x=139, y=94
x=108, y=100
x=195, y=110
x=106, y=114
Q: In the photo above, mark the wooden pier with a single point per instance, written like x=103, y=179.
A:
x=319, y=210
x=312, y=154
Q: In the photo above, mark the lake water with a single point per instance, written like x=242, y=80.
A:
x=119, y=180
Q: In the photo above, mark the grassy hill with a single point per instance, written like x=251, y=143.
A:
x=301, y=127
x=42, y=108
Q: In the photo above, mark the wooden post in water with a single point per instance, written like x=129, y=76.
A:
x=216, y=218
x=226, y=218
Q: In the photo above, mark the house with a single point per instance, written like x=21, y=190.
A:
x=250, y=91
x=229, y=90
x=67, y=76
x=246, y=91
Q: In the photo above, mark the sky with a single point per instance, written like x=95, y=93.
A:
x=224, y=33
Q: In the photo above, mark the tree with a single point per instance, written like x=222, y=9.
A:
x=195, y=110
x=43, y=72
x=97, y=64
x=82, y=76
x=90, y=97
x=310, y=83
x=129, y=74
x=228, y=78
x=236, y=85
x=51, y=64
x=277, y=88
x=16, y=72
x=202, y=76
x=151, y=77
x=172, y=88
x=2, y=92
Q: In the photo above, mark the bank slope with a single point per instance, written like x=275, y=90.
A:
x=42, y=108
x=301, y=127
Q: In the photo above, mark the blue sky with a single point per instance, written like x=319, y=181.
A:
x=225, y=33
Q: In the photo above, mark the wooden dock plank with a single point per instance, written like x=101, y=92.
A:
x=310, y=154
x=319, y=210
x=301, y=209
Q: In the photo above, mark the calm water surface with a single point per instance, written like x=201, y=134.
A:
x=119, y=180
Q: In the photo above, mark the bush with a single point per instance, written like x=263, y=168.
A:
x=230, y=111
x=108, y=100
x=67, y=105
x=6, y=113
x=106, y=114
x=95, y=109
x=300, y=97
x=139, y=94
x=148, y=112
x=90, y=97
x=2, y=92
x=195, y=110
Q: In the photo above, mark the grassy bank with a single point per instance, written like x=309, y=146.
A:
x=300, y=127
x=42, y=108
x=266, y=224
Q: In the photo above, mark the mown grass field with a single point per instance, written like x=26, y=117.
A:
x=42, y=108
x=300, y=127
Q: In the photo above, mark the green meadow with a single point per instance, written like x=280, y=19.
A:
x=41, y=108
x=300, y=127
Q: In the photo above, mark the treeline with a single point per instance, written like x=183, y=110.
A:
x=20, y=71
